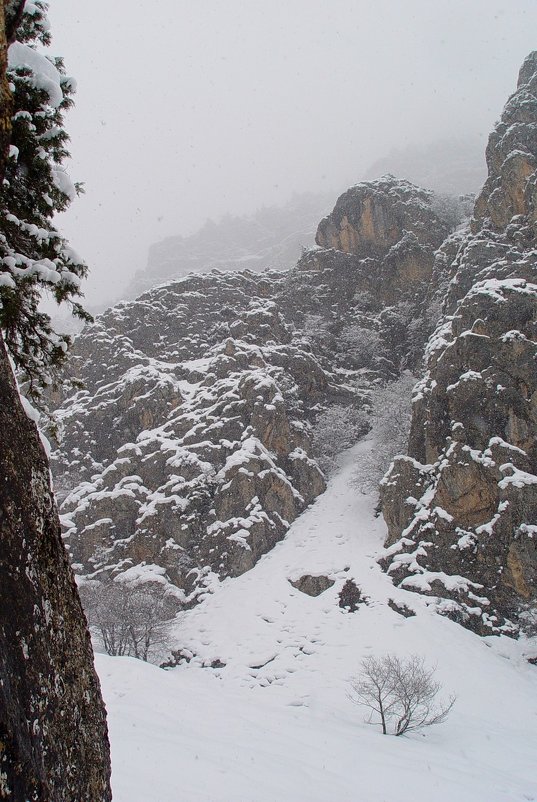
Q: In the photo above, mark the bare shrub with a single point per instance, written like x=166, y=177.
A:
x=336, y=429
x=390, y=423
x=399, y=693
x=128, y=619
x=362, y=345
x=528, y=619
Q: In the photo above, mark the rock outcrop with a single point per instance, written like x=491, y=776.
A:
x=372, y=217
x=53, y=737
x=189, y=451
x=462, y=507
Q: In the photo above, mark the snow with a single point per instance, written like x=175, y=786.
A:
x=275, y=722
x=44, y=74
x=34, y=415
x=517, y=478
x=468, y=376
x=62, y=182
x=7, y=281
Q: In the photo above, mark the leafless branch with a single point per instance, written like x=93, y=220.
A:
x=400, y=692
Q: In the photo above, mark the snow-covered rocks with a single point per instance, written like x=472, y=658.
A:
x=475, y=415
x=196, y=462
x=190, y=444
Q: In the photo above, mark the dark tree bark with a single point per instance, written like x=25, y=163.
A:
x=53, y=737
x=13, y=15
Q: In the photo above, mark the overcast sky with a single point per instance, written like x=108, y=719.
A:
x=188, y=110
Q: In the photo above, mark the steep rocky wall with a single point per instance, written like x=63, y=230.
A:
x=189, y=451
x=462, y=508
x=372, y=217
x=53, y=737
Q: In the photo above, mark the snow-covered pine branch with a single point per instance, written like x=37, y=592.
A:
x=34, y=257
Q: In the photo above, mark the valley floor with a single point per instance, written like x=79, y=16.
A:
x=275, y=722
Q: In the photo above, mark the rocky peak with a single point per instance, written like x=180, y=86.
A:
x=372, y=217
x=512, y=158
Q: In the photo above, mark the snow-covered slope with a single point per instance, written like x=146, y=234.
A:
x=196, y=420
x=275, y=722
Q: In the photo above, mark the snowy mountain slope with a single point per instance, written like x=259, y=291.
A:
x=273, y=237
x=275, y=722
x=191, y=445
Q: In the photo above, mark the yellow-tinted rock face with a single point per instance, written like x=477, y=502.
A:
x=511, y=157
x=517, y=573
x=372, y=217
x=465, y=491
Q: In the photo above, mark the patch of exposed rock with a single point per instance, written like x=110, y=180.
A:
x=372, y=217
x=312, y=585
x=189, y=451
x=462, y=508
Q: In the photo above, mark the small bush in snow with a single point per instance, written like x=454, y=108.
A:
x=528, y=620
x=399, y=693
x=336, y=429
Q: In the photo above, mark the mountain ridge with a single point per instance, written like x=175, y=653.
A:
x=190, y=447
x=193, y=452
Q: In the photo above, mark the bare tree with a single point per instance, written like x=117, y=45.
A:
x=129, y=619
x=452, y=209
x=336, y=429
x=390, y=420
x=362, y=345
x=400, y=694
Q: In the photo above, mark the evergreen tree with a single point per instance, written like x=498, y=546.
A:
x=34, y=257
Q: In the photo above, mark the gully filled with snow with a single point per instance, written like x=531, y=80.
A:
x=274, y=722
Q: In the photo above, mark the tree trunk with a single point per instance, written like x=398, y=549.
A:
x=53, y=738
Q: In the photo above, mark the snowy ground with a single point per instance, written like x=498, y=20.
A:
x=275, y=724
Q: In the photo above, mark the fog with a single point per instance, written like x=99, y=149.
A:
x=187, y=111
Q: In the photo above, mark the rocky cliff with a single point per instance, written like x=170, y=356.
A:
x=189, y=451
x=461, y=508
